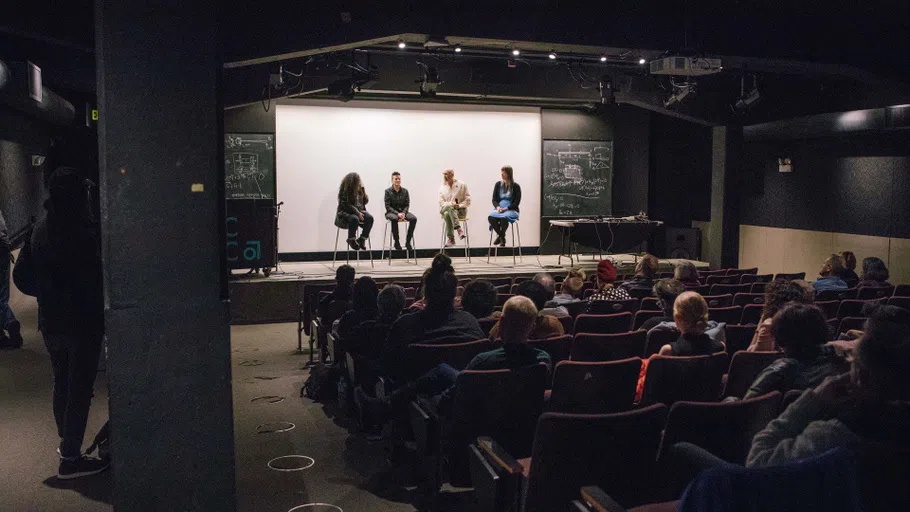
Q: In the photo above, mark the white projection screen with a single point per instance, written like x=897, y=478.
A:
x=319, y=141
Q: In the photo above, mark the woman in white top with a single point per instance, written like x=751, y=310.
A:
x=454, y=200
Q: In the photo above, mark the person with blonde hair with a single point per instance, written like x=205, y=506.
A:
x=454, y=200
x=690, y=313
x=571, y=288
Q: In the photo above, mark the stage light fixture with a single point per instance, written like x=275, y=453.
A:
x=603, y=58
x=552, y=55
x=401, y=44
x=642, y=61
x=457, y=49
x=516, y=52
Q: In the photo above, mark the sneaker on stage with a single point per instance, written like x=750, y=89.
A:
x=450, y=242
x=461, y=233
x=78, y=467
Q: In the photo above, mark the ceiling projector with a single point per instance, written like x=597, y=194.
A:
x=685, y=66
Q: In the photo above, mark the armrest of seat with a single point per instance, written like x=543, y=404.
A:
x=599, y=501
x=497, y=456
x=425, y=424
x=495, y=475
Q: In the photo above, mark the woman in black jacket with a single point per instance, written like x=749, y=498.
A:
x=352, y=210
x=506, y=198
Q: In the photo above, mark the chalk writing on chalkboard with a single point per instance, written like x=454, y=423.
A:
x=249, y=164
x=577, y=178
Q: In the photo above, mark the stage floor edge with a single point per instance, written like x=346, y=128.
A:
x=275, y=299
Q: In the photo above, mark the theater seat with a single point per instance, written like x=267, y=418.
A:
x=730, y=315
x=559, y=347
x=608, y=307
x=657, y=338
x=719, y=301
x=874, y=292
x=613, y=451
x=825, y=295
x=725, y=429
x=649, y=304
x=790, y=277
x=608, y=347
x=594, y=387
x=739, y=337
x=751, y=314
x=732, y=289
x=603, y=324
x=642, y=316
x=755, y=278
x=423, y=357
x=744, y=368
x=698, y=378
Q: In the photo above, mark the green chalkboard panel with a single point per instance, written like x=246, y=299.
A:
x=577, y=178
x=249, y=166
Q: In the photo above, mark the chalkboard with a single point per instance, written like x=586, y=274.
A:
x=249, y=166
x=577, y=178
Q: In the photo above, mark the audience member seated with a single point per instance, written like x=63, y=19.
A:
x=545, y=326
x=666, y=291
x=778, y=293
x=849, y=272
x=438, y=322
x=690, y=313
x=344, y=290
x=479, y=298
x=644, y=274
x=604, y=280
x=571, y=288
x=549, y=284
x=867, y=408
x=369, y=338
x=801, y=331
x=364, y=306
x=875, y=273
x=717, y=331
x=829, y=275
x=518, y=318
x=687, y=274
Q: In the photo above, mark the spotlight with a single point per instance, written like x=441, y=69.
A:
x=745, y=100
x=603, y=58
x=680, y=95
x=552, y=55
x=642, y=60
x=429, y=82
x=457, y=49
x=516, y=52
x=401, y=44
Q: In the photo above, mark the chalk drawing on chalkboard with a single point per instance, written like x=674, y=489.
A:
x=237, y=141
x=576, y=178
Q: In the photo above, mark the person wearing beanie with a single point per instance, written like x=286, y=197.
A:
x=605, y=279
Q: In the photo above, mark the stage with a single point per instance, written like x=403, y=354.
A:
x=259, y=299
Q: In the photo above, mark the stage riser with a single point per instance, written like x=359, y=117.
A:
x=276, y=299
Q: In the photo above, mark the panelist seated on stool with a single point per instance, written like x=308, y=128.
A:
x=397, y=204
x=352, y=201
x=454, y=200
x=506, y=198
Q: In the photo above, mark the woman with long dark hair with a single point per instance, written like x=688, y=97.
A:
x=352, y=211
x=506, y=198
x=875, y=273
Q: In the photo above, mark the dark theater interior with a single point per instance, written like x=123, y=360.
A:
x=694, y=293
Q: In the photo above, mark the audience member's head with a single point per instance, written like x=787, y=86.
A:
x=647, y=266
x=345, y=274
x=518, y=316
x=606, y=273
x=690, y=312
x=849, y=260
x=874, y=269
x=547, y=281
x=440, y=285
x=534, y=291
x=574, y=283
x=882, y=365
x=685, y=271
x=666, y=291
x=800, y=329
x=391, y=302
x=780, y=292
x=365, y=293
x=479, y=298
x=833, y=266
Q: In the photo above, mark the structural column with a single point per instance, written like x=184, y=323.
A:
x=168, y=340
x=726, y=163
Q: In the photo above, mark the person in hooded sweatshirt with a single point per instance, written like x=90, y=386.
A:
x=66, y=258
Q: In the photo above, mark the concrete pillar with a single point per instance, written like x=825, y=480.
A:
x=166, y=313
x=726, y=162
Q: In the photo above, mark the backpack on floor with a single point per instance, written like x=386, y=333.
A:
x=319, y=386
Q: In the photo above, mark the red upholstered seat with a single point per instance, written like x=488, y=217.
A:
x=751, y=314
x=719, y=301
x=730, y=315
x=744, y=299
x=739, y=337
x=643, y=316
x=670, y=379
x=744, y=368
x=594, y=387
x=608, y=347
x=603, y=324
x=609, y=307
